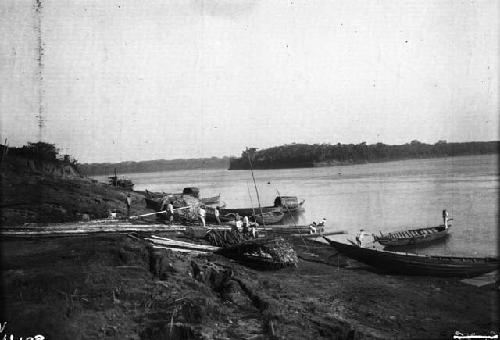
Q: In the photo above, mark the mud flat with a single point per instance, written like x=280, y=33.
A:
x=116, y=287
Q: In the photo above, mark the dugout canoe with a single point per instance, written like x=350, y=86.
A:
x=412, y=236
x=248, y=211
x=413, y=264
x=292, y=229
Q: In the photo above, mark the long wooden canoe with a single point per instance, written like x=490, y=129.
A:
x=249, y=211
x=413, y=264
x=292, y=229
x=412, y=236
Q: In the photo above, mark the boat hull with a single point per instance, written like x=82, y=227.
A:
x=269, y=218
x=211, y=200
x=418, y=264
x=412, y=237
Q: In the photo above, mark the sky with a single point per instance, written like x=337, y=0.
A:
x=139, y=80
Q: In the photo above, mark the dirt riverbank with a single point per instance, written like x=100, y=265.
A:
x=35, y=196
x=114, y=287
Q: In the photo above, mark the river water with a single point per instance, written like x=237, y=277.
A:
x=375, y=197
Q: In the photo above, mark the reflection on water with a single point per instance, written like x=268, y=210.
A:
x=376, y=197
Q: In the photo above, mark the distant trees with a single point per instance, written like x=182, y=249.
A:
x=306, y=155
x=94, y=169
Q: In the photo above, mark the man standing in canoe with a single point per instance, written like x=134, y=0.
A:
x=360, y=236
x=446, y=219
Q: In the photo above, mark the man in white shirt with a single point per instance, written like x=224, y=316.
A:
x=246, y=224
x=446, y=219
x=238, y=222
x=201, y=214
x=170, y=212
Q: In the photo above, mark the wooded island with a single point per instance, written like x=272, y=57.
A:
x=306, y=155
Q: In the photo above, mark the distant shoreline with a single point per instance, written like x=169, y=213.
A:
x=310, y=156
x=301, y=156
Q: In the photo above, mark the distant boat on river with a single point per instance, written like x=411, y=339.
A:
x=121, y=182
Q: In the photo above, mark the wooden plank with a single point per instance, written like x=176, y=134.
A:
x=180, y=244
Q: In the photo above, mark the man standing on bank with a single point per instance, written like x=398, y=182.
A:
x=201, y=214
x=128, y=201
x=217, y=215
x=170, y=212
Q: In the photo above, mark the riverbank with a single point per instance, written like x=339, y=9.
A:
x=115, y=287
x=31, y=195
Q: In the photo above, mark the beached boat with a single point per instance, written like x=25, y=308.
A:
x=211, y=200
x=413, y=264
x=268, y=253
x=412, y=236
x=292, y=229
x=268, y=217
x=153, y=203
x=154, y=199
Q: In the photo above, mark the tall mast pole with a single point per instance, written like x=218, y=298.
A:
x=255, y=185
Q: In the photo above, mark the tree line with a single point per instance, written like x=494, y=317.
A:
x=95, y=169
x=307, y=155
x=40, y=151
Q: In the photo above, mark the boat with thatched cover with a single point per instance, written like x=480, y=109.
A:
x=283, y=204
x=289, y=204
x=264, y=253
x=412, y=236
x=210, y=200
x=413, y=264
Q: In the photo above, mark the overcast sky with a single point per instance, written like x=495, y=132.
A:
x=138, y=80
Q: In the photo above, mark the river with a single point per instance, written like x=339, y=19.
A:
x=376, y=197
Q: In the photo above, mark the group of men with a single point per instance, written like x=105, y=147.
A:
x=245, y=226
x=313, y=228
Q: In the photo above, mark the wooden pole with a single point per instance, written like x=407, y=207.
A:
x=257, y=191
x=251, y=201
